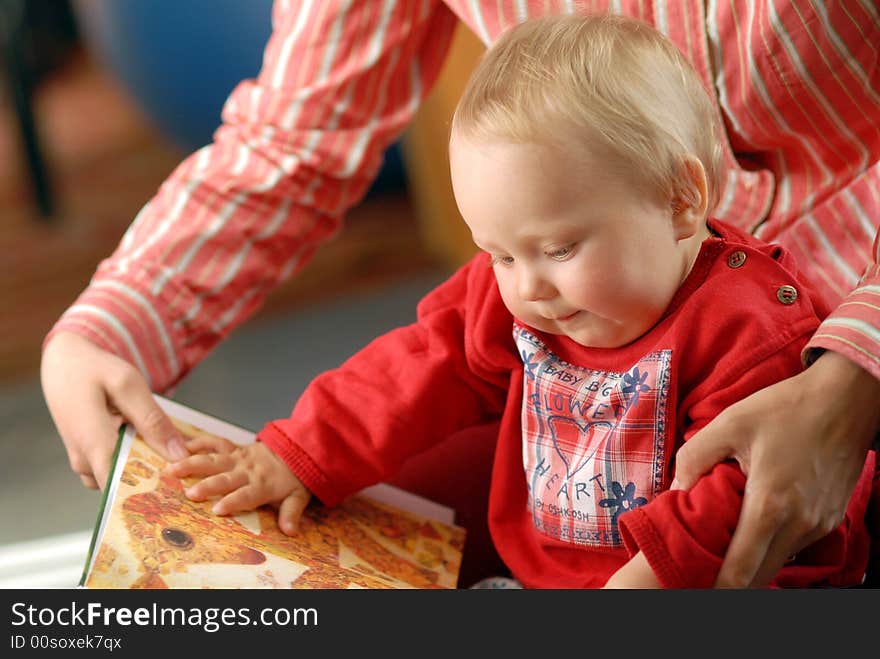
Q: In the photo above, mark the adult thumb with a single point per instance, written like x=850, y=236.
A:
x=699, y=454
x=143, y=412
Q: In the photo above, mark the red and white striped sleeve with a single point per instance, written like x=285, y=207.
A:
x=853, y=329
x=298, y=146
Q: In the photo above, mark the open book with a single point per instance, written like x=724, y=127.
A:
x=149, y=535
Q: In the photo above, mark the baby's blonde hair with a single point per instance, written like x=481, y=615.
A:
x=611, y=79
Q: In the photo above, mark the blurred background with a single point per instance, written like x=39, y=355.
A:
x=99, y=101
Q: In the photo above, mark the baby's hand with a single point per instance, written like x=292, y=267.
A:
x=635, y=573
x=244, y=477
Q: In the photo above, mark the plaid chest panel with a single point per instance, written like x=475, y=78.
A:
x=593, y=441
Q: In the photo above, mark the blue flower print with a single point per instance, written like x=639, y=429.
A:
x=623, y=500
x=529, y=364
x=634, y=383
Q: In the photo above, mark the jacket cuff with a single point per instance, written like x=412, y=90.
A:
x=638, y=534
x=300, y=463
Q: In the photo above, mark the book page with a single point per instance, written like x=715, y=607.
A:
x=152, y=536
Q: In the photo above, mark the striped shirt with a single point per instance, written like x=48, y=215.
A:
x=796, y=85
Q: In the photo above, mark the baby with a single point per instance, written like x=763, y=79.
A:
x=607, y=320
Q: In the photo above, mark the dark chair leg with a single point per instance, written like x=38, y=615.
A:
x=13, y=32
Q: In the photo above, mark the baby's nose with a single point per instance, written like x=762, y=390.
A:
x=533, y=287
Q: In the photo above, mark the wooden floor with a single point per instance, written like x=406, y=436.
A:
x=105, y=162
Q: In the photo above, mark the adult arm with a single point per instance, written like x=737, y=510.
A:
x=298, y=146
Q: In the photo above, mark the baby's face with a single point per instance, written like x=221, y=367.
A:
x=577, y=249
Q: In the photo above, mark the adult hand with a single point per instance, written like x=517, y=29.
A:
x=90, y=393
x=802, y=444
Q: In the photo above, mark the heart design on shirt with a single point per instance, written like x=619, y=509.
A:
x=576, y=443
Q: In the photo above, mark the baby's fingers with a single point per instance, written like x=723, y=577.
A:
x=217, y=485
x=246, y=497
x=201, y=464
x=290, y=511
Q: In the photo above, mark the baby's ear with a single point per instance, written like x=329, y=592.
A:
x=690, y=197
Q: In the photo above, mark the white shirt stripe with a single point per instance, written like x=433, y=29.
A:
x=278, y=77
x=855, y=324
x=183, y=198
x=844, y=267
x=109, y=320
x=148, y=309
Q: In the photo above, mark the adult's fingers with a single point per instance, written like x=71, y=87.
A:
x=786, y=533
x=755, y=532
x=89, y=482
x=132, y=397
x=783, y=548
x=290, y=511
x=70, y=374
x=707, y=448
x=90, y=438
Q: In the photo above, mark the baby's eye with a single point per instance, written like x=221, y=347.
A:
x=561, y=253
x=502, y=260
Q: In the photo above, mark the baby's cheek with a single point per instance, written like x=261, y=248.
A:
x=592, y=294
x=509, y=297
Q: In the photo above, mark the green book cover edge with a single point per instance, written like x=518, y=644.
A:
x=103, y=507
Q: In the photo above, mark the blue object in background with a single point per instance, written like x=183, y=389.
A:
x=180, y=59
